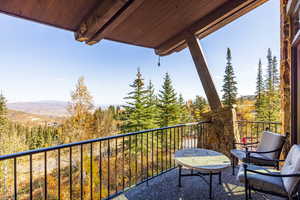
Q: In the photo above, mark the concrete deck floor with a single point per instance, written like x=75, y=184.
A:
x=165, y=187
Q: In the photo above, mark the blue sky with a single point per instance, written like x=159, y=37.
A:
x=39, y=62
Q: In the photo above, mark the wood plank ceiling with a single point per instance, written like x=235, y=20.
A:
x=157, y=24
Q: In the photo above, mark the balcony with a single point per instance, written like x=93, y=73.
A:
x=165, y=187
x=135, y=165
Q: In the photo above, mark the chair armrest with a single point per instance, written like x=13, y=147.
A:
x=270, y=174
x=246, y=144
x=263, y=152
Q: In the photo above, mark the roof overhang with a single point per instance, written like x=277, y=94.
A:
x=158, y=24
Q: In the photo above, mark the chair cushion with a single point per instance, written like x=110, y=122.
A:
x=262, y=182
x=291, y=166
x=269, y=142
x=255, y=158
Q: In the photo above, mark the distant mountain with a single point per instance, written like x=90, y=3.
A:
x=30, y=119
x=247, y=97
x=49, y=108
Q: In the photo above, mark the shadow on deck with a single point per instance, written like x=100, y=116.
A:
x=165, y=187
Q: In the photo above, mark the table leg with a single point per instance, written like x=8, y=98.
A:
x=179, y=176
x=210, y=185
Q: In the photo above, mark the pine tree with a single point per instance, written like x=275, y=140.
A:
x=199, y=106
x=272, y=97
x=184, y=115
x=259, y=94
x=275, y=74
x=151, y=106
x=269, y=75
x=229, y=86
x=3, y=113
x=3, y=124
x=275, y=90
x=169, y=111
x=135, y=116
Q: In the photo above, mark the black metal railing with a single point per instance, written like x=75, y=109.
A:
x=250, y=131
x=99, y=168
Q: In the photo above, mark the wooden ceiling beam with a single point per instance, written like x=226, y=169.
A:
x=98, y=18
x=122, y=15
x=208, y=24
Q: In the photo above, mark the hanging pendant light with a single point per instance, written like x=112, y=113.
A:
x=158, y=63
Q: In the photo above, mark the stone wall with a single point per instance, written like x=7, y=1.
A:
x=285, y=70
x=222, y=130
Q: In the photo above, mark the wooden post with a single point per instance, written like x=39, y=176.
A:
x=204, y=75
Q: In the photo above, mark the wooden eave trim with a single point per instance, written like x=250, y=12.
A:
x=98, y=17
x=201, y=29
x=36, y=21
x=116, y=20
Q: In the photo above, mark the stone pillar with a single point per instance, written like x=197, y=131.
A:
x=222, y=131
x=285, y=70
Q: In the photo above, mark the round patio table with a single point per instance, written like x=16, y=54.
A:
x=204, y=162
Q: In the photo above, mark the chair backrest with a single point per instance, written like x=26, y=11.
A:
x=271, y=141
x=291, y=166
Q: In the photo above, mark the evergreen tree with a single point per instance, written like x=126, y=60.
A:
x=269, y=75
x=272, y=97
x=169, y=111
x=3, y=113
x=199, y=106
x=259, y=94
x=184, y=115
x=229, y=86
x=151, y=106
x=135, y=115
x=275, y=74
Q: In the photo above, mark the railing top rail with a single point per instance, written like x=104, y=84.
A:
x=62, y=146
x=259, y=122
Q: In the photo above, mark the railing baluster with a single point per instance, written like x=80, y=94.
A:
x=181, y=130
x=174, y=132
x=58, y=178
x=136, y=161
x=166, y=148
x=123, y=168
x=170, y=148
x=157, y=152
x=161, y=151
x=30, y=172
x=129, y=160
x=147, y=141
x=108, y=168
x=116, y=159
x=178, y=141
x=45, y=179
x=100, y=170
x=70, y=178
x=142, y=158
x=257, y=131
x=152, y=158
x=81, y=172
x=15, y=179
x=91, y=171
